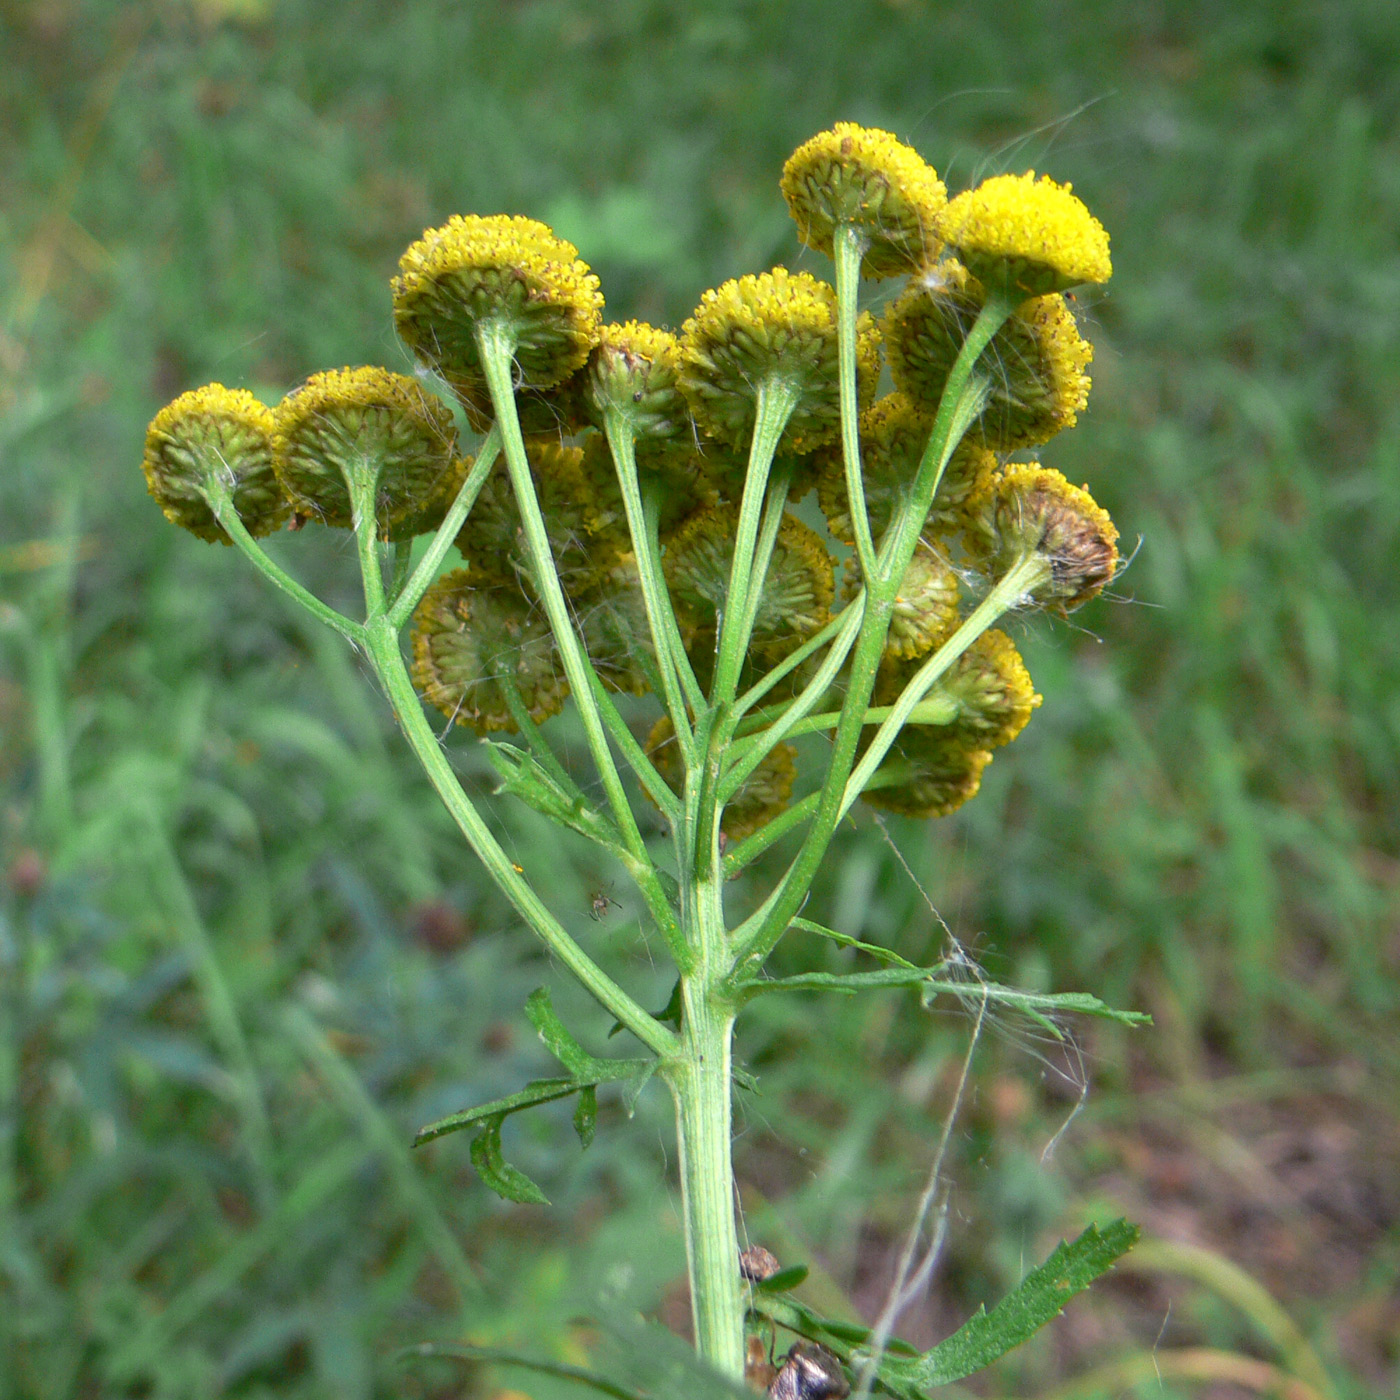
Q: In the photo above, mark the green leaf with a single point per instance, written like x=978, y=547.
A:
x=585, y=1068
x=504, y=1179
x=1040, y=1298
x=669, y=1015
x=844, y=940
x=784, y=1280
x=538, y=1091
x=523, y=776
x=1039, y=1006
x=984, y=1338
x=586, y=1115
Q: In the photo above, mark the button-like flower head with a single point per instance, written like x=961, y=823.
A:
x=775, y=326
x=506, y=268
x=1030, y=234
x=345, y=421
x=872, y=181
x=214, y=432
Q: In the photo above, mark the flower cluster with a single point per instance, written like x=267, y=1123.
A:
x=737, y=415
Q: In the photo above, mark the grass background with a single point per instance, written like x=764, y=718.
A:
x=243, y=954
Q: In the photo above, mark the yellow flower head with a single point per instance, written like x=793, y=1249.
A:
x=210, y=432
x=871, y=180
x=1036, y=361
x=893, y=434
x=634, y=368
x=343, y=419
x=584, y=540
x=797, y=590
x=1030, y=234
x=775, y=326
x=927, y=773
x=925, y=608
x=501, y=268
x=994, y=692
x=470, y=642
x=1034, y=509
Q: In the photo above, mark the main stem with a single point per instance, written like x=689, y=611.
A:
x=701, y=1078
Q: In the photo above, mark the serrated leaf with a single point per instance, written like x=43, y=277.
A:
x=784, y=1280
x=586, y=1115
x=524, y=776
x=504, y=1179
x=844, y=940
x=1040, y=1298
x=1039, y=1006
x=538, y=1091
x=908, y=1374
x=539, y=1010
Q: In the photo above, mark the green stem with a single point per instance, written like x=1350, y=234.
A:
x=363, y=481
x=382, y=645
x=496, y=343
x=701, y=1080
x=792, y=716
x=838, y=624
x=408, y=598
x=218, y=494
x=661, y=616
x=775, y=403
x=1020, y=579
x=759, y=933
x=751, y=847
x=849, y=245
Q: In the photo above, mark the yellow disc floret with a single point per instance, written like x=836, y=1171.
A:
x=503, y=269
x=214, y=432
x=634, y=370
x=775, y=327
x=1033, y=235
x=1035, y=363
x=871, y=181
x=344, y=422
x=472, y=645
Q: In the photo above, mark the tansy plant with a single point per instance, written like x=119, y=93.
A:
x=625, y=529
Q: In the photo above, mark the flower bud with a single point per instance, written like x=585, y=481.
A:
x=504, y=269
x=634, y=370
x=993, y=691
x=929, y=772
x=214, y=432
x=1034, y=510
x=797, y=590
x=894, y=431
x=584, y=540
x=925, y=608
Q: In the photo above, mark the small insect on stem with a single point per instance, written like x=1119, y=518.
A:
x=810, y=1372
x=598, y=903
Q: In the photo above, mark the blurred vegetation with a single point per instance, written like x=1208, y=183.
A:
x=243, y=953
